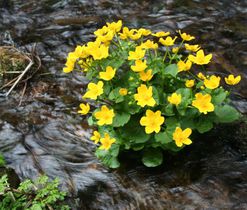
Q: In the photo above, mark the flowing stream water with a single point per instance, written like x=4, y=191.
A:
x=46, y=135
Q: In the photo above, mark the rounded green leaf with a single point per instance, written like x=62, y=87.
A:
x=226, y=114
x=152, y=157
x=120, y=119
x=162, y=137
x=172, y=69
x=204, y=125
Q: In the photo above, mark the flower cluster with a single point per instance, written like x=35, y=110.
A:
x=148, y=94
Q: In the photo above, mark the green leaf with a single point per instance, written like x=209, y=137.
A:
x=120, y=119
x=3, y=183
x=156, y=65
x=171, y=124
x=107, y=88
x=116, y=63
x=187, y=122
x=168, y=110
x=2, y=161
x=152, y=157
x=90, y=121
x=172, y=70
x=186, y=100
x=113, y=162
x=138, y=147
x=204, y=125
x=156, y=95
x=226, y=114
x=128, y=106
x=199, y=84
x=114, y=150
x=114, y=95
x=133, y=108
x=134, y=133
x=36, y=207
x=218, y=96
x=101, y=153
x=172, y=147
x=162, y=137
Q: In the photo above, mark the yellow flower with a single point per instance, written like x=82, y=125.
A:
x=182, y=136
x=144, y=32
x=135, y=34
x=139, y=66
x=230, y=80
x=106, y=142
x=105, y=34
x=123, y=91
x=81, y=51
x=144, y=96
x=107, y=37
x=193, y=48
x=212, y=83
x=91, y=45
x=125, y=34
x=104, y=116
x=94, y=90
x=190, y=83
x=175, y=99
x=138, y=54
x=96, y=137
x=84, y=109
x=161, y=34
x=203, y=103
x=200, y=58
x=184, y=66
x=201, y=76
x=175, y=50
x=149, y=45
x=186, y=37
x=70, y=63
x=108, y=74
x=152, y=121
x=115, y=26
x=168, y=41
x=68, y=69
x=102, y=31
x=146, y=76
x=100, y=52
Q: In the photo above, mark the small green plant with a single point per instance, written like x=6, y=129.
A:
x=147, y=98
x=38, y=195
x=2, y=161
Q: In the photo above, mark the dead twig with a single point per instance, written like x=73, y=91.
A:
x=10, y=83
x=33, y=58
x=20, y=76
x=23, y=92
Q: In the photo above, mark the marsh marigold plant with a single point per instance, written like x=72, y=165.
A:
x=148, y=91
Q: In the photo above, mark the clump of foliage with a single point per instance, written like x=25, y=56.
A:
x=147, y=96
x=38, y=195
x=12, y=61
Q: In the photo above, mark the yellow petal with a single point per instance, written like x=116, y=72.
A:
x=187, y=141
x=187, y=132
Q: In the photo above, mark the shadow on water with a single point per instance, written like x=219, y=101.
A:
x=45, y=134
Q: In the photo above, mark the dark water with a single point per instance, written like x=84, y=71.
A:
x=45, y=135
